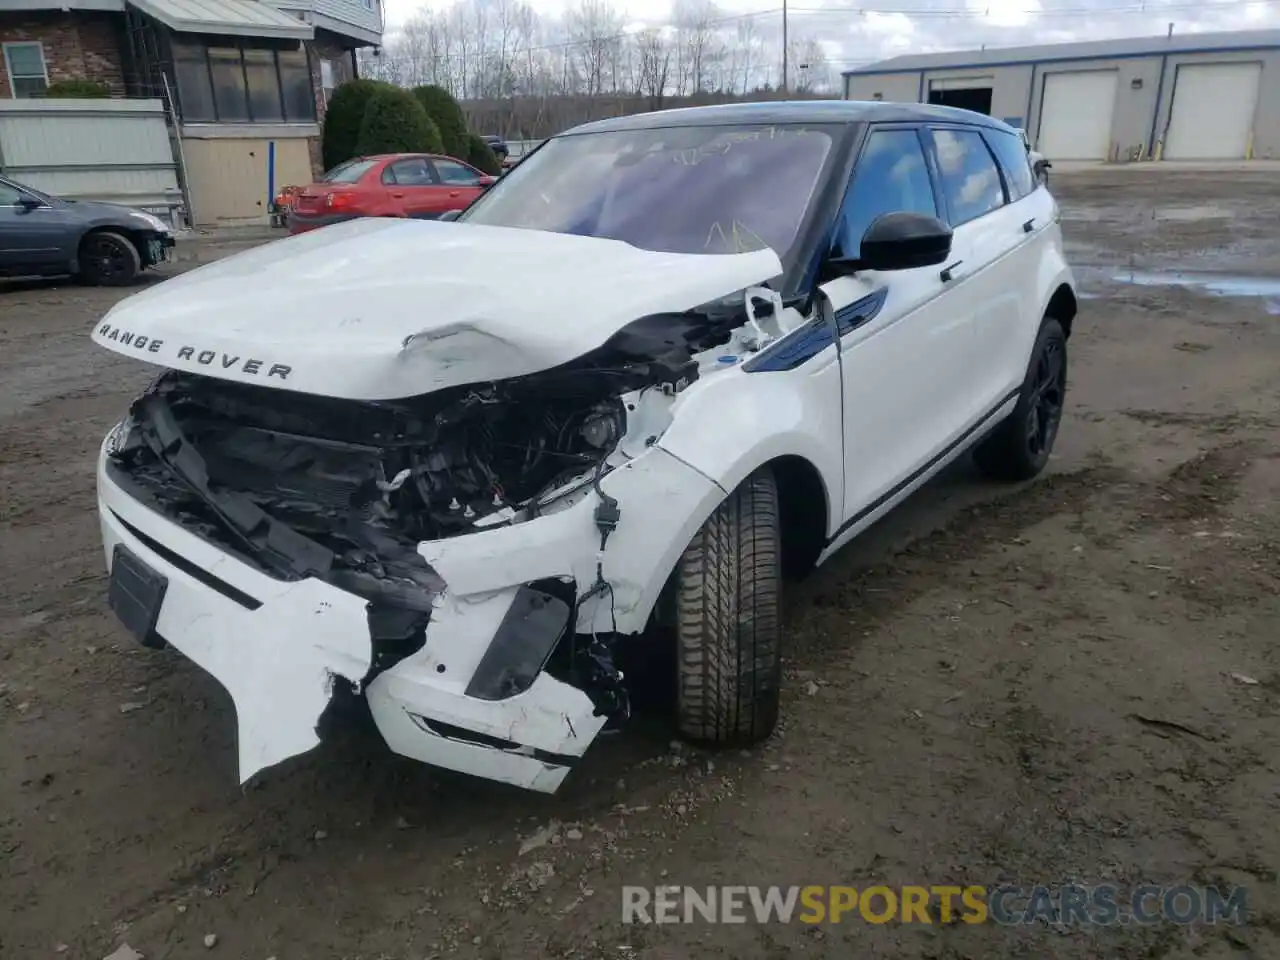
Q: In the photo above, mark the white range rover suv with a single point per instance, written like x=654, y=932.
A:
x=458, y=469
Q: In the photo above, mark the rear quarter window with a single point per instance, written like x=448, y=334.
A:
x=349, y=172
x=970, y=178
x=1011, y=152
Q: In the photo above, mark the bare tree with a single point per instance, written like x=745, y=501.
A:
x=695, y=36
x=594, y=27
x=747, y=55
x=528, y=76
x=811, y=70
x=655, y=66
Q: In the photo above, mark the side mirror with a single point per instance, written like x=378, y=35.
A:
x=27, y=204
x=903, y=241
x=451, y=215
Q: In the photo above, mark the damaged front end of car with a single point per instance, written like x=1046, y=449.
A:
x=477, y=531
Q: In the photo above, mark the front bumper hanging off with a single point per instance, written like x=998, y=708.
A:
x=280, y=648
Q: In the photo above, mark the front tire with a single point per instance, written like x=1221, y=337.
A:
x=728, y=630
x=108, y=260
x=1019, y=448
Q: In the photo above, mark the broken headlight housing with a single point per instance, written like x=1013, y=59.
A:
x=118, y=436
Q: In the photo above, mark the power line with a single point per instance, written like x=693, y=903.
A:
x=1153, y=9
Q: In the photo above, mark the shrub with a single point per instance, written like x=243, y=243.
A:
x=78, y=90
x=394, y=122
x=480, y=156
x=448, y=116
x=343, y=118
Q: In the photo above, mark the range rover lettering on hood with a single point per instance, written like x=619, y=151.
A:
x=217, y=359
x=380, y=309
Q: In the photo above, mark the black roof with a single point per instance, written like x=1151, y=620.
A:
x=791, y=111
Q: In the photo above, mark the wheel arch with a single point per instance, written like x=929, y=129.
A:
x=804, y=508
x=1063, y=306
x=133, y=235
x=804, y=516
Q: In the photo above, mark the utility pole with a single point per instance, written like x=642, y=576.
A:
x=784, y=46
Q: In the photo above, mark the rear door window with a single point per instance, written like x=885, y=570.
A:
x=1011, y=151
x=970, y=179
x=891, y=177
x=409, y=173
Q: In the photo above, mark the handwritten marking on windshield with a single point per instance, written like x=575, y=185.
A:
x=740, y=238
x=693, y=156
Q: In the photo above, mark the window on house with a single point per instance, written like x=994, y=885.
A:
x=263, y=82
x=28, y=75
x=326, y=78
x=295, y=84
x=195, y=88
x=229, y=93
x=243, y=84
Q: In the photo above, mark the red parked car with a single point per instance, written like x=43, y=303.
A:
x=416, y=185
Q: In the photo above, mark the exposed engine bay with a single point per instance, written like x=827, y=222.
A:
x=421, y=469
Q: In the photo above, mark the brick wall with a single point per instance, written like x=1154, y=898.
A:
x=326, y=46
x=77, y=46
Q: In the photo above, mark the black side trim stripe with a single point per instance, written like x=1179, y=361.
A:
x=897, y=488
x=462, y=735
x=189, y=568
x=861, y=312
x=815, y=336
x=799, y=348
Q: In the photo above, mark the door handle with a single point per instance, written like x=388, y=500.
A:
x=454, y=193
x=947, y=273
x=1029, y=225
x=398, y=196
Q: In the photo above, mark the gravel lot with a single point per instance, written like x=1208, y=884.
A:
x=1029, y=684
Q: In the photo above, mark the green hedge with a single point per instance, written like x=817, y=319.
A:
x=448, y=116
x=394, y=122
x=77, y=90
x=343, y=118
x=481, y=156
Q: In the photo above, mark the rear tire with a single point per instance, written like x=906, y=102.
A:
x=1019, y=448
x=728, y=630
x=108, y=260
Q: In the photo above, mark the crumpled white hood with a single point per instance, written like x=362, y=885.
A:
x=379, y=309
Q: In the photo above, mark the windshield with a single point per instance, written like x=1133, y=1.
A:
x=714, y=189
x=348, y=172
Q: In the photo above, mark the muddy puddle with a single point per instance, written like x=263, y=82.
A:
x=1266, y=289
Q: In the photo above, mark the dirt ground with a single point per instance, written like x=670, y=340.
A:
x=1073, y=680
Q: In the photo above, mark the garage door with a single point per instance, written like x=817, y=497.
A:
x=1075, y=115
x=1213, y=106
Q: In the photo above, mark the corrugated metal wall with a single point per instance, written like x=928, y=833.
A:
x=114, y=150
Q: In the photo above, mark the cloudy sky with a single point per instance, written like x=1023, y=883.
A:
x=856, y=34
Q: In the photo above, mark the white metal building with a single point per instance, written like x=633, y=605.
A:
x=1205, y=96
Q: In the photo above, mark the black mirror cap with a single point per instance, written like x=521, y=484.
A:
x=28, y=203
x=903, y=241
